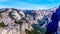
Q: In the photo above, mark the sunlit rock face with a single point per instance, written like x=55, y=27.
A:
x=59, y=24
x=22, y=13
x=7, y=30
x=15, y=15
x=9, y=15
x=6, y=19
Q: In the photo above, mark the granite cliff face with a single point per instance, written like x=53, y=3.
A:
x=17, y=21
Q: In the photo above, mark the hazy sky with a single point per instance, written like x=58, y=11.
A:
x=29, y=4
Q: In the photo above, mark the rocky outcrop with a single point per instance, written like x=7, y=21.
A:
x=23, y=18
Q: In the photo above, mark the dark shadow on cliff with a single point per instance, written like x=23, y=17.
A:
x=53, y=26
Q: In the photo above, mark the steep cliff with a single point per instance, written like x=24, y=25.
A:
x=16, y=21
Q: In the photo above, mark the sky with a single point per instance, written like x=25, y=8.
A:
x=29, y=4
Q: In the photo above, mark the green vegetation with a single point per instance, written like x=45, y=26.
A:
x=24, y=18
x=0, y=15
x=43, y=21
x=2, y=24
x=20, y=14
x=19, y=22
x=9, y=14
x=39, y=31
x=36, y=27
x=32, y=32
